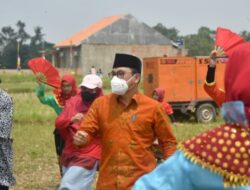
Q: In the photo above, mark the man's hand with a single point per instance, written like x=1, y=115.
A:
x=77, y=117
x=80, y=138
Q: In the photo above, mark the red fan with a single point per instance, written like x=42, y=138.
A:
x=45, y=72
x=226, y=41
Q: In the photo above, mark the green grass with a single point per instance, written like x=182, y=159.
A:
x=35, y=161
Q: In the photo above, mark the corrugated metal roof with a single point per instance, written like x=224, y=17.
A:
x=77, y=38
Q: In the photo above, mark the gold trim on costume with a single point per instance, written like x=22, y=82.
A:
x=230, y=179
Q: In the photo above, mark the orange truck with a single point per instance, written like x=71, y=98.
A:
x=183, y=79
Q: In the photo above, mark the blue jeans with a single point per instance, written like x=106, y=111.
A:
x=77, y=178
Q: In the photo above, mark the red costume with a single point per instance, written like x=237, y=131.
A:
x=73, y=155
x=59, y=96
x=167, y=107
x=217, y=94
x=226, y=150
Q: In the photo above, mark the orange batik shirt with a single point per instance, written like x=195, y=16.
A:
x=127, y=135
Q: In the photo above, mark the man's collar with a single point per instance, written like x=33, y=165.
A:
x=135, y=98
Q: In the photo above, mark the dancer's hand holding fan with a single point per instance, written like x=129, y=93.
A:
x=45, y=72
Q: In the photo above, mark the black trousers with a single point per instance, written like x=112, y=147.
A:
x=59, y=142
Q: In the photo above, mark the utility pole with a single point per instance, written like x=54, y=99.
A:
x=18, y=63
x=71, y=58
x=43, y=49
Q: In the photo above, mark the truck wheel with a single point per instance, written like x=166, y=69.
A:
x=205, y=113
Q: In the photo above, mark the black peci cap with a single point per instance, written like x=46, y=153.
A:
x=126, y=60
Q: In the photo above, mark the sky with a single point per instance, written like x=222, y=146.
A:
x=62, y=18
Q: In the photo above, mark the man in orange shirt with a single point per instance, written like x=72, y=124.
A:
x=128, y=122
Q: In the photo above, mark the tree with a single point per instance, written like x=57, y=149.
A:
x=39, y=45
x=38, y=37
x=21, y=33
x=9, y=56
x=9, y=42
x=37, y=42
x=200, y=44
x=8, y=45
x=7, y=35
x=245, y=35
x=170, y=33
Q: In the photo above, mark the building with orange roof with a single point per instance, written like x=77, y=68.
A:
x=97, y=44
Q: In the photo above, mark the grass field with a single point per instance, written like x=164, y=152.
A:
x=35, y=162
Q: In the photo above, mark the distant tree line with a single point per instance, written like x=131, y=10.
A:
x=29, y=45
x=197, y=44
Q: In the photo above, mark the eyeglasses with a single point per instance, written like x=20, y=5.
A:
x=120, y=74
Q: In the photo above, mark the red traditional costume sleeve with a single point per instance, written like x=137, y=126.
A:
x=73, y=106
x=63, y=120
x=168, y=108
x=218, y=95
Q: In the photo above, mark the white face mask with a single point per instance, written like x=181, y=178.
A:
x=119, y=86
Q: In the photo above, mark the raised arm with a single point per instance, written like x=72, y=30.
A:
x=210, y=86
x=47, y=100
x=40, y=93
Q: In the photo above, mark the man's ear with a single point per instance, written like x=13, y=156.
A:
x=137, y=77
